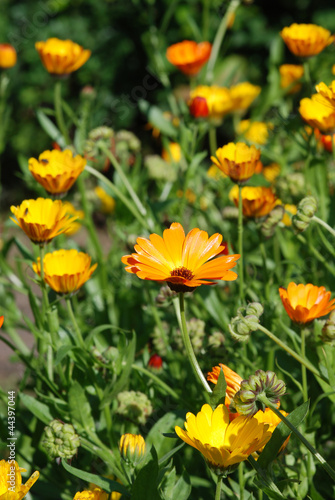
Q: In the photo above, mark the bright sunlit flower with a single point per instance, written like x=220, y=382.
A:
x=61, y=57
x=42, y=219
x=306, y=40
x=11, y=487
x=256, y=132
x=328, y=92
x=270, y=418
x=256, y=201
x=107, y=202
x=271, y=172
x=181, y=260
x=232, y=378
x=94, y=494
x=303, y=303
x=243, y=94
x=79, y=216
x=238, y=161
x=221, y=442
x=188, y=56
x=1, y=321
x=290, y=73
x=65, y=271
x=132, y=447
x=172, y=153
x=218, y=101
x=57, y=170
x=318, y=113
x=8, y=56
x=289, y=211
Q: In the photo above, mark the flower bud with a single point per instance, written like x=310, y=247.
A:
x=216, y=340
x=8, y=56
x=199, y=107
x=241, y=326
x=230, y=213
x=165, y=294
x=155, y=363
x=328, y=330
x=132, y=448
x=306, y=210
x=135, y=406
x=255, y=308
x=61, y=440
x=269, y=225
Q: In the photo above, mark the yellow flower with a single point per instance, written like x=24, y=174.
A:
x=95, y=494
x=256, y=201
x=290, y=73
x=327, y=92
x=306, y=40
x=172, y=153
x=289, y=211
x=107, y=202
x=215, y=173
x=271, y=171
x=57, y=170
x=42, y=219
x=238, y=161
x=218, y=100
x=11, y=487
x=243, y=94
x=132, y=447
x=270, y=418
x=61, y=57
x=223, y=443
x=256, y=132
x=318, y=113
x=65, y=271
x=78, y=214
x=8, y=56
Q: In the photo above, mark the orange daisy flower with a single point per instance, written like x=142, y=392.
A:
x=188, y=56
x=233, y=380
x=181, y=260
x=256, y=201
x=303, y=303
x=238, y=161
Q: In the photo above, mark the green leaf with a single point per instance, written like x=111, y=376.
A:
x=157, y=119
x=107, y=485
x=80, y=409
x=170, y=453
x=165, y=424
x=36, y=310
x=24, y=250
x=182, y=489
x=62, y=352
x=50, y=129
x=40, y=410
x=279, y=435
x=145, y=484
x=218, y=395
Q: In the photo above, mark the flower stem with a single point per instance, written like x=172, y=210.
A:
x=157, y=380
x=298, y=434
x=307, y=73
x=188, y=345
x=45, y=299
x=218, y=488
x=324, y=224
x=240, y=241
x=59, y=112
x=303, y=367
x=212, y=140
x=79, y=338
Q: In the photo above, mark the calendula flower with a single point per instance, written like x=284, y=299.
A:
x=218, y=102
x=256, y=201
x=42, y=219
x=238, y=161
x=61, y=57
x=304, y=303
x=1, y=321
x=306, y=40
x=11, y=487
x=232, y=378
x=94, y=494
x=188, y=56
x=269, y=417
x=222, y=443
x=60, y=440
x=181, y=260
x=8, y=56
x=57, y=170
x=172, y=153
x=290, y=73
x=328, y=92
x=271, y=171
x=107, y=202
x=132, y=447
x=256, y=132
x=65, y=271
x=78, y=214
x=289, y=211
x=243, y=94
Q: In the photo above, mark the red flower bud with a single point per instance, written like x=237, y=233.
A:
x=199, y=107
x=155, y=362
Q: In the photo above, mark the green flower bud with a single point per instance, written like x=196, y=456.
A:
x=165, y=294
x=240, y=327
x=306, y=210
x=230, y=213
x=127, y=142
x=60, y=440
x=272, y=220
x=159, y=169
x=254, y=308
x=216, y=340
x=328, y=330
x=134, y=405
x=132, y=448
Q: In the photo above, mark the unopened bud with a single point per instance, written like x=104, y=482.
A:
x=61, y=440
x=255, y=308
x=230, y=213
x=306, y=210
x=328, y=330
x=269, y=225
x=132, y=448
x=134, y=405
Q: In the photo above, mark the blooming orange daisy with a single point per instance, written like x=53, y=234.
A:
x=188, y=56
x=181, y=260
x=303, y=303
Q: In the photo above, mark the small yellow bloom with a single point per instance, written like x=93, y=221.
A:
x=61, y=57
x=289, y=211
x=318, y=113
x=8, y=56
x=172, y=153
x=271, y=171
x=290, y=73
x=215, y=173
x=238, y=161
x=132, y=447
x=327, y=92
x=42, y=219
x=78, y=214
x=218, y=99
x=256, y=201
x=306, y=40
x=94, y=494
x=11, y=487
x=223, y=443
x=57, y=170
x=243, y=94
x=65, y=271
x=256, y=132
x=107, y=202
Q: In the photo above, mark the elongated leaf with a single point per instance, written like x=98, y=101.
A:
x=80, y=409
x=157, y=119
x=145, y=484
x=182, y=489
x=40, y=410
x=50, y=129
x=219, y=392
x=170, y=453
x=156, y=437
x=62, y=352
x=107, y=485
x=24, y=250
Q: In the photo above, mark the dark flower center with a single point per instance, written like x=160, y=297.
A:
x=183, y=272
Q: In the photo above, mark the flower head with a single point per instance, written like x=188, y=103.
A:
x=290, y=73
x=94, y=494
x=238, y=161
x=188, y=56
x=42, y=219
x=172, y=154
x=181, y=260
x=57, y=170
x=243, y=94
x=256, y=132
x=61, y=440
x=65, y=271
x=306, y=40
x=107, y=202
x=303, y=303
x=8, y=56
x=211, y=101
x=199, y=107
x=155, y=363
x=11, y=487
x=256, y=201
x=318, y=113
x=223, y=443
x=61, y=57
x=132, y=447
x=78, y=214
x=232, y=378
x=270, y=418
x=1, y=321
x=135, y=406
x=327, y=92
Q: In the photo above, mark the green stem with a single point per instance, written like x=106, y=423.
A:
x=290, y=351
x=307, y=73
x=265, y=269
x=188, y=345
x=303, y=367
x=324, y=224
x=218, y=488
x=157, y=380
x=298, y=434
x=79, y=338
x=219, y=38
x=240, y=241
x=241, y=480
x=59, y=112
x=212, y=140
x=98, y=448
x=45, y=299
